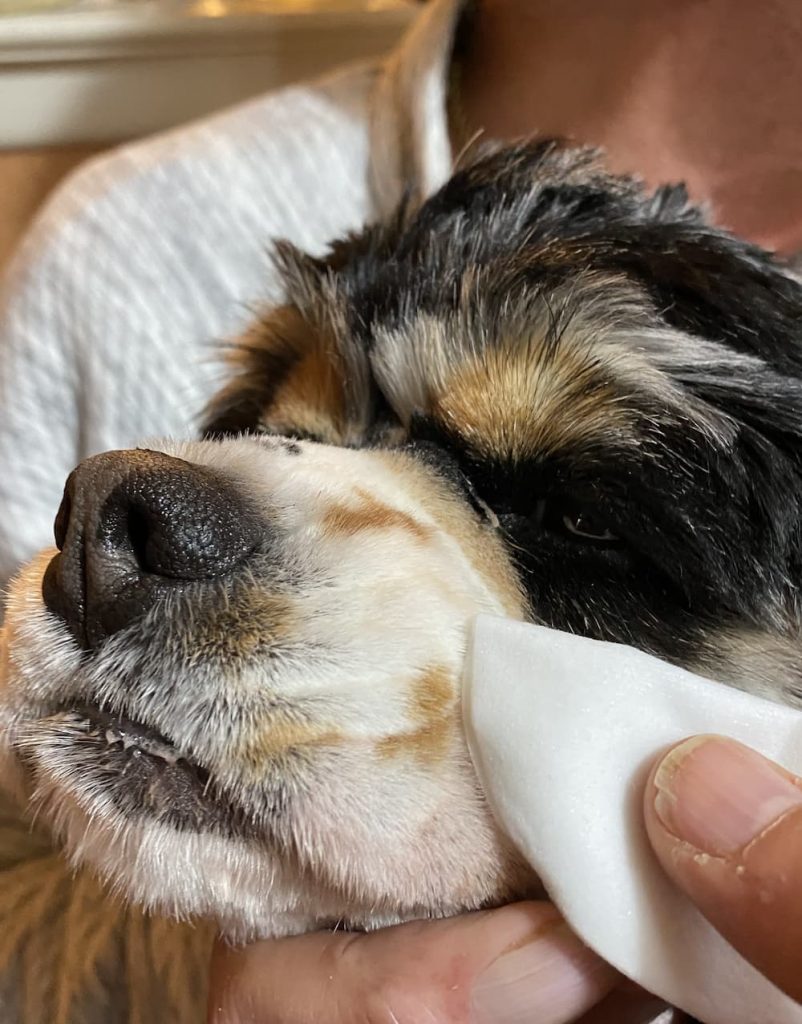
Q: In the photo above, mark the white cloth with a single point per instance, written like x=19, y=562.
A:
x=563, y=731
x=112, y=312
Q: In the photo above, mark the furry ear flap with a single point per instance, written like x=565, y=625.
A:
x=304, y=277
x=713, y=285
x=754, y=396
x=308, y=279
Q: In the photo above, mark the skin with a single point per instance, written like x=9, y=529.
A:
x=418, y=972
x=700, y=91
x=622, y=75
x=734, y=848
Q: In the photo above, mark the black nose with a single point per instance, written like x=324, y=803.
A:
x=136, y=525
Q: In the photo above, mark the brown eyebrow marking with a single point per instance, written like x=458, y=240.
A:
x=310, y=398
x=288, y=375
x=511, y=401
x=260, y=361
x=370, y=514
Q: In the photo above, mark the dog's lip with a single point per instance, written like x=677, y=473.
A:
x=118, y=735
x=104, y=757
x=132, y=734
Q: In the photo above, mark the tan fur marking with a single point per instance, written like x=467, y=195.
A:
x=427, y=745
x=451, y=515
x=433, y=694
x=250, y=622
x=288, y=372
x=311, y=398
x=284, y=736
x=432, y=704
x=369, y=514
x=513, y=401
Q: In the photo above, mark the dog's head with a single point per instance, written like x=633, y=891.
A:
x=543, y=393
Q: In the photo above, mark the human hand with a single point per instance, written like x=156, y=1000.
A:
x=495, y=967
x=726, y=824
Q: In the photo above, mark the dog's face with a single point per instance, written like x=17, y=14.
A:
x=542, y=394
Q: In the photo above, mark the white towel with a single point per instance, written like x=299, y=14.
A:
x=563, y=731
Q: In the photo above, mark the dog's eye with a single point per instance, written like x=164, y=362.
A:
x=584, y=525
x=565, y=518
x=577, y=522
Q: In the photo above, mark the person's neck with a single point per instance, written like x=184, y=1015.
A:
x=702, y=91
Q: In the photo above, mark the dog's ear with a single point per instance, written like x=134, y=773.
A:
x=559, y=204
x=713, y=285
x=564, y=213
x=753, y=394
x=723, y=290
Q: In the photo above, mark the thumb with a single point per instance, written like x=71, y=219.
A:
x=506, y=966
x=726, y=824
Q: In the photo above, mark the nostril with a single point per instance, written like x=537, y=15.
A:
x=62, y=523
x=138, y=531
x=134, y=525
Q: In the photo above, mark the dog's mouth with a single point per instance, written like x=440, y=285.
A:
x=141, y=744
x=110, y=758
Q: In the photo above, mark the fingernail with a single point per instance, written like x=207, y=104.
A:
x=553, y=978
x=718, y=795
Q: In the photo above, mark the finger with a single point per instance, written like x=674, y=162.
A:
x=726, y=824
x=507, y=966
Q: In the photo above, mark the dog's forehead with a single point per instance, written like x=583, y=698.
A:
x=534, y=302
x=545, y=368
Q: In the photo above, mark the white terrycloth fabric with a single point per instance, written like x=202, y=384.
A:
x=563, y=731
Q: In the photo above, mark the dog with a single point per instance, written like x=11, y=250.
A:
x=233, y=690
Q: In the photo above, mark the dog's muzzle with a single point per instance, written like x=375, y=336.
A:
x=135, y=526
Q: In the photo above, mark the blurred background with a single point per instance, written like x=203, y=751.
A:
x=79, y=76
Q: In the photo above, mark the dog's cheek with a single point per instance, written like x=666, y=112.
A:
x=38, y=658
x=35, y=667
x=757, y=661
x=405, y=826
